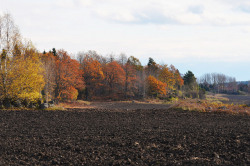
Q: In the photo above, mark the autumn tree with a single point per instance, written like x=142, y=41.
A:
x=167, y=77
x=27, y=80
x=114, y=79
x=92, y=74
x=20, y=67
x=68, y=77
x=179, y=82
x=155, y=87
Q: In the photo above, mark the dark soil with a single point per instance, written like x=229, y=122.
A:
x=123, y=137
x=114, y=106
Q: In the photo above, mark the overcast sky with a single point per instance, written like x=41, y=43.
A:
x=203, y=36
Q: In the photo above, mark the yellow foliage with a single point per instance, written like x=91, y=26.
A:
x=167, y=77
x=28, y=80
x=24, y=78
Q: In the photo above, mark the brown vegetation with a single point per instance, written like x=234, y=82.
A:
x=212, y=106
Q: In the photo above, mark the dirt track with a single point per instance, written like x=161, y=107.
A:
x=128, y=137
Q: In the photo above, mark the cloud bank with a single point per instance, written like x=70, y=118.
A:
x=190, y=33
x=194, y=12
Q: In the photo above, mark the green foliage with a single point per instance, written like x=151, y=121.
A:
x=189, y=79
x=151, y=62
x=54, y=52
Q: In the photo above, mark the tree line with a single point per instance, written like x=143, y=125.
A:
x=95, y=77
x=29, y=77
x=221, y=83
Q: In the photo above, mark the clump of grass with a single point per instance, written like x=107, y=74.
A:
x=216, y=98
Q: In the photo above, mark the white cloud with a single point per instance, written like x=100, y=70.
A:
x=213, y=12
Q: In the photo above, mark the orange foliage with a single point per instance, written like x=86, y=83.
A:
x=68, y=75
x=69, y=93
x=93, y=76
x=178, y=79
x=155, y=86
x=167, y=77
x=179, y=82
x=115, y=78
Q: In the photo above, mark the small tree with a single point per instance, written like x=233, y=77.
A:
x=190, y=85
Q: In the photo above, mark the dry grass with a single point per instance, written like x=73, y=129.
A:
x=55, y=108
x=216, y=97
x=207, y=105
x=75, y=104
x=210, y=106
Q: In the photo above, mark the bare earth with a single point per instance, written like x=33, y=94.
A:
x=114, y=106
x=123, y=134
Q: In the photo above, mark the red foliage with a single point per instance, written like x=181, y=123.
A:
x=93, y=77
x=68, y=76
x=115, y=78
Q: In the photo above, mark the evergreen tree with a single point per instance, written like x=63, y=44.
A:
x=190, y=85
x=189, y=79
x=54, y=51
x=152, y=68
x=151, y=62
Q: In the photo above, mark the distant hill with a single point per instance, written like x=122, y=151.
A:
x=243, y=82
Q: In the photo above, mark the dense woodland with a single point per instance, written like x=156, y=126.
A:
x=29, y=77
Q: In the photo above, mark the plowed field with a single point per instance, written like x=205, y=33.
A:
x=146, y=136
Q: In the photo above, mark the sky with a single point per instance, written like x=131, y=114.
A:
x=203, y=36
